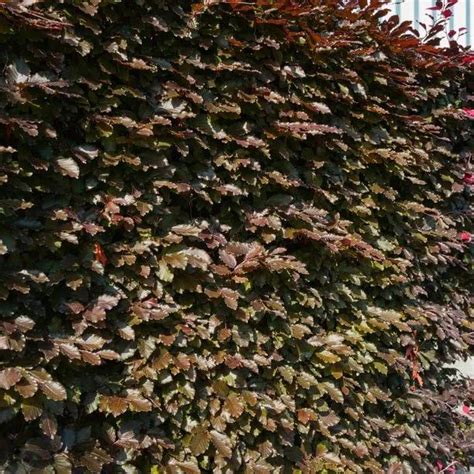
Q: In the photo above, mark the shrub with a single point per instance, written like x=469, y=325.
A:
x=235, y=237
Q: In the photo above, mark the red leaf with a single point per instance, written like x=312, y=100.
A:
x=416, y=376
x=236, y=43
x=465, y=237
x=306, y=415
x=469, y=59
x=469, y=113
x=271, y=21
x=100, y=254
x=469, y=178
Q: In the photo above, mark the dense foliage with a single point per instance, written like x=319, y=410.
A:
x=235, y=237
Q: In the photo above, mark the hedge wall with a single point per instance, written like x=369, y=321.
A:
x=235, y=237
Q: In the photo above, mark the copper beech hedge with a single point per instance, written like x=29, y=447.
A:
x=234, y=236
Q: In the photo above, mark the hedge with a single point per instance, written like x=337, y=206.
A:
x=235, y=237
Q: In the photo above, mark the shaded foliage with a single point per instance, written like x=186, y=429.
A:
x=234, y=237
